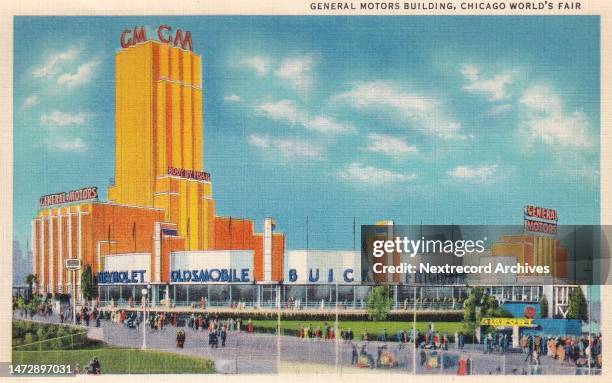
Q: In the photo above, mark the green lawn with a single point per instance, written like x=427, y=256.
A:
x=120, y=360
x=358, y=327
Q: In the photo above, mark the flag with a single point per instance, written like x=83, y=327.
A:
x=229, y=229
x=134, y=234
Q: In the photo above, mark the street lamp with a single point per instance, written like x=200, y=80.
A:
x=144, y=318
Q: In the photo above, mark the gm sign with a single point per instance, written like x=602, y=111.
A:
x=165, y=34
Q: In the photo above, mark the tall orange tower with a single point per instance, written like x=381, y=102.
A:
x=158, y=138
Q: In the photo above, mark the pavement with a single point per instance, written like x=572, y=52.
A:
x=259, y=353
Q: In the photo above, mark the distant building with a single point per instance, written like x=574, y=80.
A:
x=535, y=250
x=22, y=263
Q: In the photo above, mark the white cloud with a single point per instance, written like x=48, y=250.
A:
x=259, y=64
x=69, y=145
x=233, y=98
x=51, y=65
x=494, y=88
x=287, y=112
x=566, y=130
x=541, y=98
x=327, y=125
x=259, y=141
x=284, y=111
x=289, y=148
x=373, y=176
x=546, y=120
x=474, y=173
x=298, y=71
x=83, y=74
x=30, y=101
x=57, y=118
x=425, y=113
x=389, y=145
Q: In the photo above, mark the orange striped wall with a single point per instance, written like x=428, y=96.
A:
x=233, y=234
x=96, y=220
x=278, y=252
x=258, y=257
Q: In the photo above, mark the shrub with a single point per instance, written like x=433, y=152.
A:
x=61, y=332
x=40, y=334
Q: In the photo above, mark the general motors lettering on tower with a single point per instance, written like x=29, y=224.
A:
x=84, y=194
x=165, y=34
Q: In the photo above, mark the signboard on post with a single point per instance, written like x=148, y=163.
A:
x=73, y=264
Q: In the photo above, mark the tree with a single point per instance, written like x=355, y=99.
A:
x=544, y=306
x=378, y=303
x=480, y=305
x=30, y=280
x=577, y=307
x=89, y=285
x=33, y=304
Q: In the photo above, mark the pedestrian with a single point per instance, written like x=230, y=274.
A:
x=529, y=347
x=462, y=366
x=94, y=367
x=488, y=343
x=223, y=335
x=383, y=337
x=180, y=339
x=524, y=343
x=354, y=354
x=364, y=336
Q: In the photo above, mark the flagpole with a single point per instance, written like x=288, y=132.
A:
x=414, y=333
x=336, y=330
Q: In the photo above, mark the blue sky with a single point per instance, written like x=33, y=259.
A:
x=417, y=119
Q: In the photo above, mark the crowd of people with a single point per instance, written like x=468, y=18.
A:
x=583, y=351
x=429, y=339
x=310, y=332
x=217, y=328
